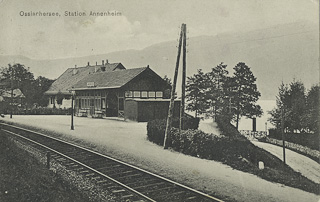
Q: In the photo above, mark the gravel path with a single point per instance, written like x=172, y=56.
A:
x=306, y=166
x=127, y=141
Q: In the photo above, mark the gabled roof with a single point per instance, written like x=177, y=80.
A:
x=73, y=75
x=109, y=79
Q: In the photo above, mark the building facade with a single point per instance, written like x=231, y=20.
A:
x=101, y=91
x=59, y=92
x=106, y=93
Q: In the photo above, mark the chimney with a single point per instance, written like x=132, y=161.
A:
x=75, y=70
x=103, y=68
x=102, y=62
x=96, y=63
x=88, y=63
x=107, y=62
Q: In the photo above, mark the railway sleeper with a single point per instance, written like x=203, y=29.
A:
x=103, y=165
x=148, y=185
x=142, y=182
x=85, y=171
x=174, y=196
x=116, y=172
x=92, y=162
x=151, y=188
x=107, y=171
x=127, y=196
x=118, y=191
x=134, y=180
x=169, y=195
x=133, y=176
x=102, y=168
x=157, y=191
x=90, y=174
x=83, y=158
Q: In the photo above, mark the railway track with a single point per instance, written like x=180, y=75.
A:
x=126, y=182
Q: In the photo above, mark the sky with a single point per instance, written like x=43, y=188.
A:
x=142, y=23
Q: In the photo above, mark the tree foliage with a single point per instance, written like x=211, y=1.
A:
x=300, y=109
x=195, y=96
x=216, y=94
x=245, y=93
x=22, y=78
x=313, y=109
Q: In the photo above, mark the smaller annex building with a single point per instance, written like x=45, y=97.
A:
x=111, y=90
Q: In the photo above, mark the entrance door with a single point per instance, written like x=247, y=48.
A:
x=112, y=105
x=91, y=106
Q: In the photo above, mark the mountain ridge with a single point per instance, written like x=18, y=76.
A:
x=275, y=54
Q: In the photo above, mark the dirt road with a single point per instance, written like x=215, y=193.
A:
x=306, y=166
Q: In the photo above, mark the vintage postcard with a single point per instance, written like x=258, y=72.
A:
x=159, y=100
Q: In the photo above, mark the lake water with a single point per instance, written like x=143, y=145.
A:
x=266, y=105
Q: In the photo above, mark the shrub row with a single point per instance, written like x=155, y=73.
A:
x=232, y=149
x=41, y=111
x=156, y=128
x=305, y=139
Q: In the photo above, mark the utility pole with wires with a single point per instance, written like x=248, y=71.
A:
x=170, y=111
x=184, y=66
x=11, y=100
x=282, y=132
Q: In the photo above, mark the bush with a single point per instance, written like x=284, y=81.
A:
x=228, y=129
x=232, y=149
x=222, y=148
x=310, y=140
x=42, y=111
x=156, y=128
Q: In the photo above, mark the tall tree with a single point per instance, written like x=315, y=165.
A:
x=300, y=109
x=196, y=88
x=313, y=109
x=282, y=100
x=22, y=78
x=297, y=107
x=41, y=85
x=246, y=93
x=215, y=92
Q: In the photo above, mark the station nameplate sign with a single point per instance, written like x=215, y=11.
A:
x=90, y=84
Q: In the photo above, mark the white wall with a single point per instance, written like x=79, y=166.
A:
x=66, y=103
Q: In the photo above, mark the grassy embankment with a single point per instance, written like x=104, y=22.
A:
x=232, y=149
x=23, y=178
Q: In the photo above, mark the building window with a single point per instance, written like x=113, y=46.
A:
x=51, y=100
x=136, y=94
x=144, y=94
x=159, y=94
x=103, y=104
x=128, y=93
x=152, y=94
x=97, y=104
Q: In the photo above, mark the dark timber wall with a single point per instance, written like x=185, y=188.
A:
x=145, y=110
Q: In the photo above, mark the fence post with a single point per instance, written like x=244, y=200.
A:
x=48, y=160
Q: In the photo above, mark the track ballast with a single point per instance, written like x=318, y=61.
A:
x=126, y=182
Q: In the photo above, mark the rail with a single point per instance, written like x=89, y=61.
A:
x=141, y=183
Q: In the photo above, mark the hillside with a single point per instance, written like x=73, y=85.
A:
x=278, y=53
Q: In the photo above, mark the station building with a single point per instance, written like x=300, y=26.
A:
x=111, y=90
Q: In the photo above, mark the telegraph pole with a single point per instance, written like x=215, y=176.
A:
x=170, y=112
x=11, y=100
x=282, y=132
x=184, y=53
